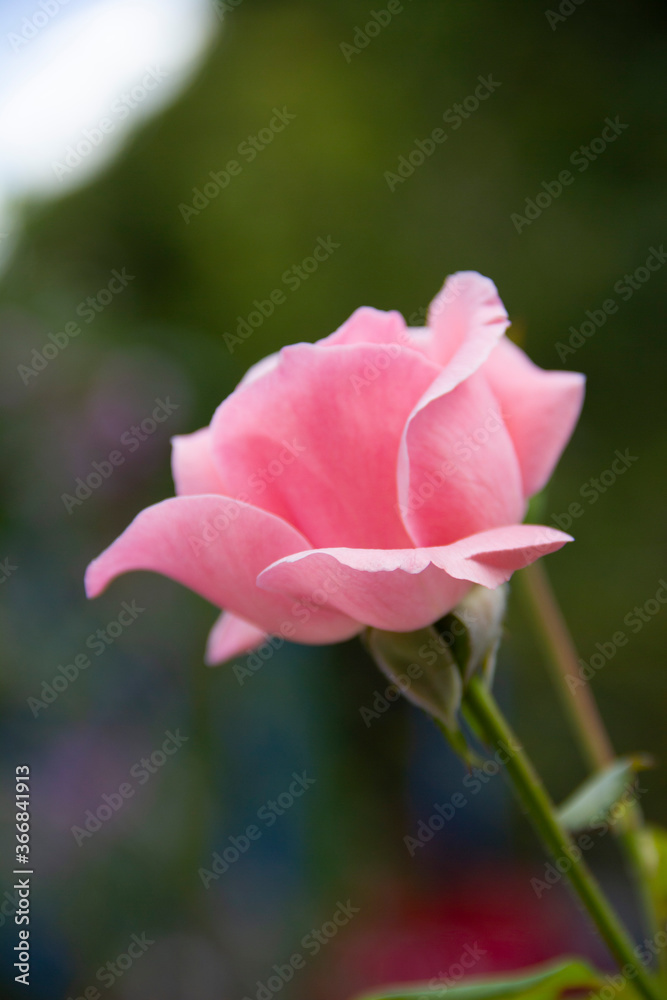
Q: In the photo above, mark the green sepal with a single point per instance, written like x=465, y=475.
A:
x=473, y=630
x=432, y=666
x=459, y=744
x=432, y=682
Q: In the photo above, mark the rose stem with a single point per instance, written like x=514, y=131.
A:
x=581, y=708
x=483, y=710
x=578, y=700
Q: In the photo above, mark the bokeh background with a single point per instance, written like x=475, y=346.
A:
x=64, y=230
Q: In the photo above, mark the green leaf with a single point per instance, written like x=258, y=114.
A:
x=546, y=982
x=601, y=792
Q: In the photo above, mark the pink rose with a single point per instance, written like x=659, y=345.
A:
x=368, y=479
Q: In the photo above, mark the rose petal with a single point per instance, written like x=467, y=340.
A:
x=315, y=441
x=192, y=464
x=540, y=409
x=230, y=636
x=369, y=326
x=261, y=368
x=216, y=546
x=406, y=589
x=490, y=557
x=459, y=472
x=466, y=320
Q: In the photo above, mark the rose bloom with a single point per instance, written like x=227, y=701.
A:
x=370, y=478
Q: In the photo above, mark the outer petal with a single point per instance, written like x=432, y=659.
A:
x=374, y=326
x=261, y=368
x=540, y=409
x=365, y=326
x=466, y=320
x=217, y=547
x=459, y=471
x=315, y=441
x=406, y=589
x=192, y=464
x=369, y=326
x=230, y=636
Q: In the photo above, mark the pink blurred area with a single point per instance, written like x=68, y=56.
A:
x=488, y=921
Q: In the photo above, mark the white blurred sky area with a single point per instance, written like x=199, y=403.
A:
x=77, y=77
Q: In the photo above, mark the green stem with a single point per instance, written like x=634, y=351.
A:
x=576, y=695
x=483, y=710
x=580, y=706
